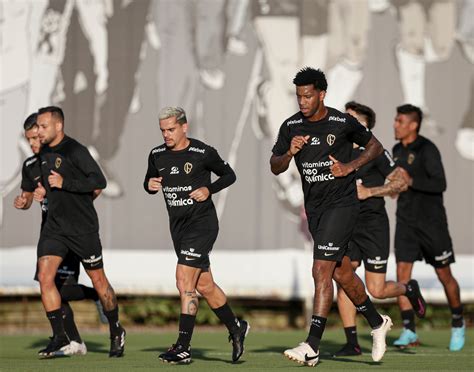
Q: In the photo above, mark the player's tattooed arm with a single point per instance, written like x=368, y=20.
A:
x=191, y=302
x=395, y=185
x=372, y=149
x=280, y=163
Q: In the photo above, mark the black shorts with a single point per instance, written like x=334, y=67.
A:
x=68, y=271
x=194, y=246
x=371, y=242
x=432, y=243
x=331, y=231
x=87, y=247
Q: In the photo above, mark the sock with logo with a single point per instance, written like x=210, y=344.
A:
x=457, y=320
x=367, y=309
x=351, y=335
x=114, y=324
x=408, y=318
x=55, y=317
x=226, y=316
x=186, y=327
x=316, y=332
x=69, y=325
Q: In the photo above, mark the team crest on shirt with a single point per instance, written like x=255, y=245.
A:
x=411, y=158
x=57, y=162
x=188, y=167
x=330, y=139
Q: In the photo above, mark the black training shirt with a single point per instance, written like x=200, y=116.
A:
x=71, y=210
x=423, y=201
x=333, y=135
x=30, y=176
x=184, y=171
x=373, y=174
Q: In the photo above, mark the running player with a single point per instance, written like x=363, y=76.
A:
x=370, y=240
x=422, y=227
x=67, y=275
x=70, y=177
x=321, y=139
x=181, y=168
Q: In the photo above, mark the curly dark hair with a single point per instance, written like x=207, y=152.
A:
x=308, y=75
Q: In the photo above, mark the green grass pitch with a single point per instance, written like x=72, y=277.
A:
x=211, y=352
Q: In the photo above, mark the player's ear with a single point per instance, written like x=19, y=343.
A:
x=322, y=95
x=413, y=125
x=185, y=127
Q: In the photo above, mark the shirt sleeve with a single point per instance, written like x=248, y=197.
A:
x=385, y=163
x=283, y=141
x=151, y=172
x=92, y=177
x=356, y=132
x=221, y=168
x=27, y=182
x=433, y=180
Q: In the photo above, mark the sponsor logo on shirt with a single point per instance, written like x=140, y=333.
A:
x=188, y=168
x=312, y=174
x=57, y=162
x=411, y=158
x=172, y=198
x=299, y=121
x=337, y=118
x=195, y=149
x=31, y=161
x=331, y=138
x=315, y=141
x=159, y=149
x=174, y=170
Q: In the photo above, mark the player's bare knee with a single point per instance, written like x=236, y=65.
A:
x=206, y=289
x=376, y=291
x=46, y=279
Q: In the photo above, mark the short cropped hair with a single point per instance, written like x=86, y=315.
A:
x=56, y=112
x=363, y=110
x=30, y=122
x=171, y=111
x=308, y=75
x=414, y=111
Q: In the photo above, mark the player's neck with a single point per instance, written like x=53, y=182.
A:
x=57, y=140
x=409, y=139
x=320, y=114
x=181, y=146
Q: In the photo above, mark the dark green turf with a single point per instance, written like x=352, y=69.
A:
x=211, y=352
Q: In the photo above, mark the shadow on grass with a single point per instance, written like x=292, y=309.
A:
x=94, y=347
x=198, y=354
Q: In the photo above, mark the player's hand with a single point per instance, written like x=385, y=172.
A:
x=297, y=143
x=55, y=180
x=362, y=191
x=406, y=176
x=200, y=194
x=40, y=193
x=154, y=183
x=20, y=201
x=339, y=169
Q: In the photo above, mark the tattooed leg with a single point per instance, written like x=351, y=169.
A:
x=103, y=288
x=186, y=281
